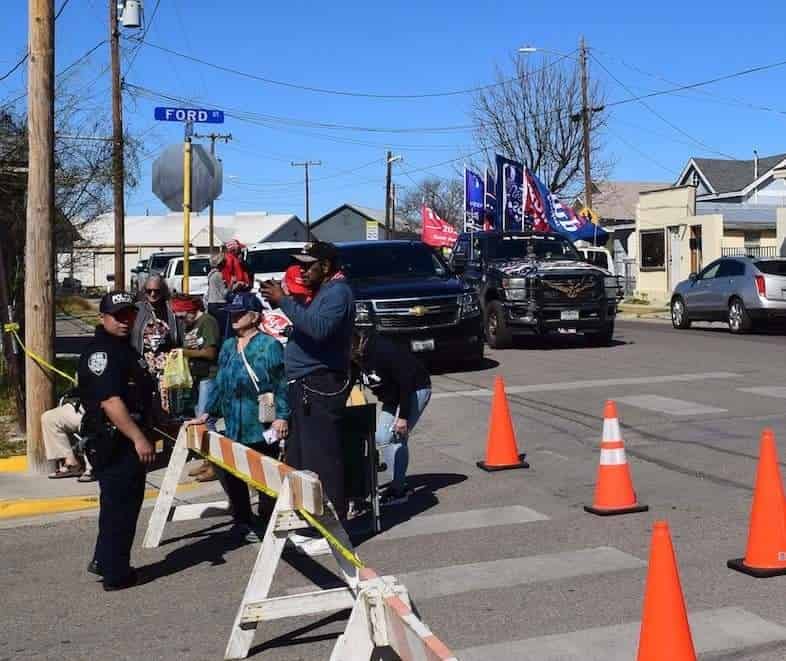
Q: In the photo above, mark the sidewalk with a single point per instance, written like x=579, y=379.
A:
x=23, y=495
x=630, y=311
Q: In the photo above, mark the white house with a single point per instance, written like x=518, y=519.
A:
x=92, y=259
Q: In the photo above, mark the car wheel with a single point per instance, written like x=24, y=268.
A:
x=739, y=319
x=498, y=334
x=679, y=314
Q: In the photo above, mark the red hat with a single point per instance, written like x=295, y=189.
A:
x=293, y=277
x=185, y=303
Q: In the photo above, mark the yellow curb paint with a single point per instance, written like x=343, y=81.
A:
x=16, y=464
x=24, y=507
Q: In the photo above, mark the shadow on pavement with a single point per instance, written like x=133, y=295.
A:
x=297, y=637
x=561, y=342
x=445, y=367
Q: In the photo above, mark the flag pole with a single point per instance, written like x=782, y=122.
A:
x=465, y=197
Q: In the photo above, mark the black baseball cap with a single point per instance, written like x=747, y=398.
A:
x=244, y=302
x=115, y=301
x=317, y=251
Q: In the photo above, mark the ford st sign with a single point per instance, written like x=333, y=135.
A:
x=190, y=115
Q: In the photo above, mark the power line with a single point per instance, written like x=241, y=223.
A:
x=142, y=38
x=23, y=59
x=642, y=153
x=336, y=92
x=658, y=115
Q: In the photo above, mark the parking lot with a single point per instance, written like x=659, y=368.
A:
x=500, y=565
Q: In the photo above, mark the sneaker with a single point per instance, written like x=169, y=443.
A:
x=248, y=533
x=130, y=581
x=93, y=568
x=391, y=497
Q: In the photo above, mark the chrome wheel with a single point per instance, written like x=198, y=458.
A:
x=736, y=313
x=677, y=313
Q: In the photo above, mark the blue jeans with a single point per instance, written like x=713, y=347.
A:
x=206, y=387
x=392, y=447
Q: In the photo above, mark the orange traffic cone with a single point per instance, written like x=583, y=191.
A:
x=501, y=450
x=766, y=552
x=614, y=492
x=665, y=632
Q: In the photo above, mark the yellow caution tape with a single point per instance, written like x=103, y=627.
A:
x=43, y=363
x=11, y=327
x=350, y=555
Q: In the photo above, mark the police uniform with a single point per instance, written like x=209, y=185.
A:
x=110, y=367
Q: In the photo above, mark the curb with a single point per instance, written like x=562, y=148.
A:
x=27, y=507
x=15, y=464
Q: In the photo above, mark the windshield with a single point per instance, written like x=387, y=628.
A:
x=772, y=267
x=270, y=261
x=597, y=258
x=409, y=260
x=542, y=247
x=195, y=267
x=159, y=262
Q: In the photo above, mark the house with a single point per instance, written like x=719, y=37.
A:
x=93, y=256
x=615, y=203
x=715, y=208
x=351, y=222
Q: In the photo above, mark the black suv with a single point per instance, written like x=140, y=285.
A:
x=405, y=291
x=532, y=282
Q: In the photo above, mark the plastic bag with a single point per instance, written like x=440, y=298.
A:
x=177, y=374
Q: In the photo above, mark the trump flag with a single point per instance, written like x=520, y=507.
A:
x=474, y=201
x=435, y=231
x=490, y=220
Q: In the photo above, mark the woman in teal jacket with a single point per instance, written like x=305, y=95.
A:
x=235, y=398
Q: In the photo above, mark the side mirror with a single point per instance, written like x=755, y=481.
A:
x=693, y=277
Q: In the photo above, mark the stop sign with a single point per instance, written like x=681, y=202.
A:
x=207, y=180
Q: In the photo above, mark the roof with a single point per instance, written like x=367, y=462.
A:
x=617, y=200
x=741, y=216
x=367, y=212
x=731, y=176
x=167, y=230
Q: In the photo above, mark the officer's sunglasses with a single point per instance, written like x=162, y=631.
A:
x=125, y=316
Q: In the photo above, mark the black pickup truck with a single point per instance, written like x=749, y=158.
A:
x=531, y=282
x=406, y=291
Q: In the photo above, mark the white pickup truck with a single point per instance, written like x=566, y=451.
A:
x=198, y=268
x=596, y=256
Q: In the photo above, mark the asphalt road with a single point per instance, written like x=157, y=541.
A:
x=500, y=565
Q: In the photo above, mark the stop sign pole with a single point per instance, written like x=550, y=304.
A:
x=188, y=116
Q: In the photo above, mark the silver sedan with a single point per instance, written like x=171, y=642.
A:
x=741, y=291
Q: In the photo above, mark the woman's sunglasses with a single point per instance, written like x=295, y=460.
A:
x=150, y=292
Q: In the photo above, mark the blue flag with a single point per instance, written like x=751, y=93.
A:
x=474, y=201
x=563, y=219
x=510, y=194
x=490, y=222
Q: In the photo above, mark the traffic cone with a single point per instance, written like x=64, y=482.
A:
x=614, y=492
x=766, y=552
x=665, y=632
x=501, y=450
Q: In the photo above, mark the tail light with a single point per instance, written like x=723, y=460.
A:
x=761, y=285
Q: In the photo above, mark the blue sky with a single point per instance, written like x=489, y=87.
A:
x=420, y=47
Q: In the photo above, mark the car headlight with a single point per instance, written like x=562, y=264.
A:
x=516, y=289
x=469, y=305
x=363, y=313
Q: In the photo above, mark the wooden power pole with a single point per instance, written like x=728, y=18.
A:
x=213, y=137
x=39, y=251
x=389, y=220
x=585, y=120
x=118, y=168
x=306, y=165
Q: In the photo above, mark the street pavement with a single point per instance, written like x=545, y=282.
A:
x=500, y=565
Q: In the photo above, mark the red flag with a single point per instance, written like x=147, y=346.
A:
x=435, y=231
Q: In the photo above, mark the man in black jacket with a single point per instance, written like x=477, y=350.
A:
x=403, y=385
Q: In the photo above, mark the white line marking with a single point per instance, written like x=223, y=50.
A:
x=668, y=405
x=457, y=579
x=589, y=383
x=432, y=524
x=767, y=391
x=721, y=630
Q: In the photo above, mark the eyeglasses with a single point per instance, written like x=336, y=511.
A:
x=153, y=291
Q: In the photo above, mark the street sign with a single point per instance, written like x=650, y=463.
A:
x=207, y=180
x=200, y=115
x=372, y=230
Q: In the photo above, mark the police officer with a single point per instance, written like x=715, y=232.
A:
x=114, y=388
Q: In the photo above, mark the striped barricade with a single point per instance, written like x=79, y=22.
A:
x=299, y=504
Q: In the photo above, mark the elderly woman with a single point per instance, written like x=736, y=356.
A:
x=249, y=365
x=217, y=293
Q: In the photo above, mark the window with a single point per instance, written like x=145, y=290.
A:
x=540, y=247
x=710, y=272
x=773, y=267
x=730, y=268
x=196, y=267
x=752, y=239
x=270, y=261
x=403, y=260
x=462, y=248
x=652, y=250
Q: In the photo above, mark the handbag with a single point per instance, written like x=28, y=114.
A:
x=267, y=401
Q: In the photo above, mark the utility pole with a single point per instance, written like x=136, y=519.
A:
x=118, y=173
x=306, y=164
x=586, y=111
x=389, y=222
x=213, y=137
x=39, y=238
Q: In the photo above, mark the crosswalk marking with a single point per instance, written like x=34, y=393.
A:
x=457, y=579
x=767, y=391
x=588, y=384
x=721, y=630
x=432, y=524
x=668, y=405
